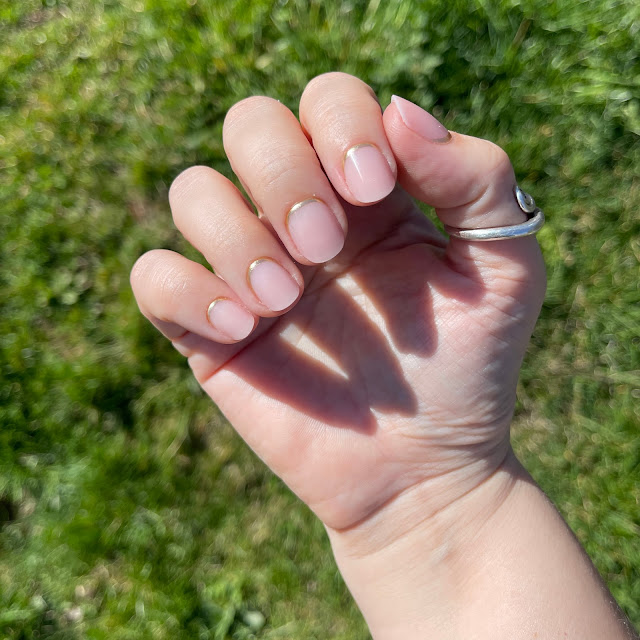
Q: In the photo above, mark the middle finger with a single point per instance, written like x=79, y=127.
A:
x=271, y=155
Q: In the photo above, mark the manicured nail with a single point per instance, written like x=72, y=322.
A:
x=368, y=174
x=420, y=121
x=230, y=318
x=272, y=284
x=315, y=230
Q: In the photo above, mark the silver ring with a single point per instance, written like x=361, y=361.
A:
x=531, y=226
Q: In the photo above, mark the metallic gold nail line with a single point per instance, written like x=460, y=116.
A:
x=252, y=266
x=444, y=139
x=301, y=204
x=353, y=149
x=293, y=209
x=210, y=307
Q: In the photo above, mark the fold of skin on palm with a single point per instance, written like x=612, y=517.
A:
x=397, y=359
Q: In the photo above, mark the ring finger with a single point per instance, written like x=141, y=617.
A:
x=215, y=218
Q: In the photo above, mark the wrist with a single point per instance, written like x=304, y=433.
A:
x=407, y=566
x=433, y=506
x=498, y=562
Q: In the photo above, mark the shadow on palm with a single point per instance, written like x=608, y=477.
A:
x=336, y=357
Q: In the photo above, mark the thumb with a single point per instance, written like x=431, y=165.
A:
x=470, y=183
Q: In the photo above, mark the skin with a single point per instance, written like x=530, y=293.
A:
x=384, y=393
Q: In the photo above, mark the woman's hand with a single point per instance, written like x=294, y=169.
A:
x=372, y=364
x=386, y=367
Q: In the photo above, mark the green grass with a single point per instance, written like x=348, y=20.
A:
x=130, y=508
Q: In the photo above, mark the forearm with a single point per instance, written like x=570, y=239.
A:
x=498, y=563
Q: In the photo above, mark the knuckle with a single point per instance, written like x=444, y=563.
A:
x=498, y=162
x=249, y=108
x=157, y=278
x=142, y=267
x=496, y=175
x=188, y=180
x=320, y=82
x=334, y=86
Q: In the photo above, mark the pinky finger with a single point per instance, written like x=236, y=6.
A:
x=180, y=296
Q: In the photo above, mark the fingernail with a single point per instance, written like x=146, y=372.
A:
x=230, y=318
x=315, y=230
x=420, y=121
x=272, y=284
x=368, y=174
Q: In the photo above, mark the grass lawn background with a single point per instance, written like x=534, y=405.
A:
x=129, y=508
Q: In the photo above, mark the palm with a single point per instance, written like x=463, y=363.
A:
x=365, y=387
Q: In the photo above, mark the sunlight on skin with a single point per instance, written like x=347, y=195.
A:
x=296, y=337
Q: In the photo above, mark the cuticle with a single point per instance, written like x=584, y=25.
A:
x=211, y=305
x=213, y=302
x=357, y=146
x=252, y=266
x=293, y=209
x=299, y=205
x=445, y=140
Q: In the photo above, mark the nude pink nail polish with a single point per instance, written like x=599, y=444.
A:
x=272, y=284
x=230, y=318
x=368, y=174
x=420, y=121
x=315, y=230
